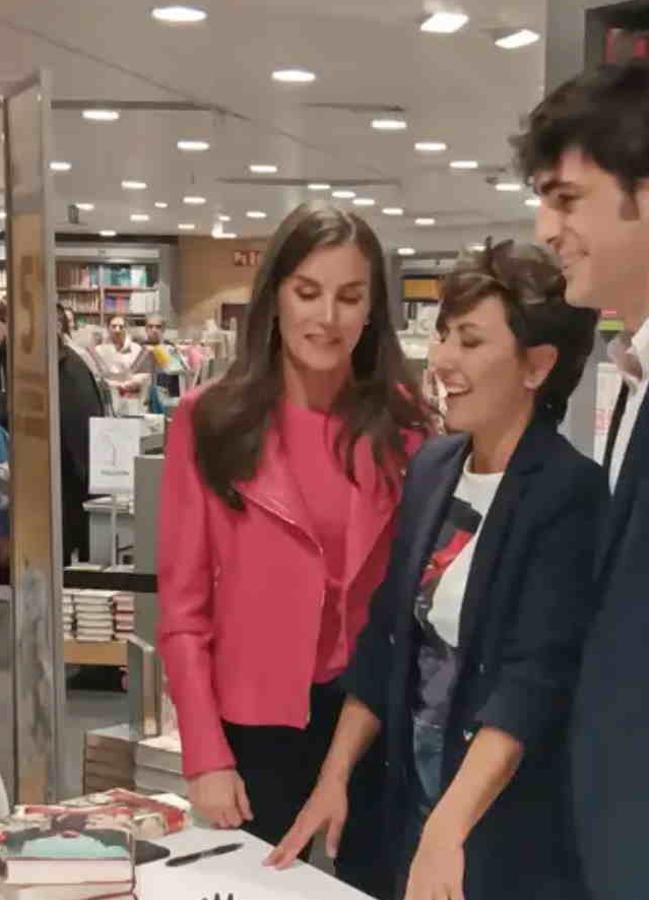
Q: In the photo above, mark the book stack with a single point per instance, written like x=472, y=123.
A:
x=94, y=615
x=109, y=758
x=68, y=615
x=124, y=615
x=63, y=853
x=158, y=765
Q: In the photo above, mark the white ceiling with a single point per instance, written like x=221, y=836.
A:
x=460, y=89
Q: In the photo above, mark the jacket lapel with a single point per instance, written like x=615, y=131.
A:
x=634, y=465
x=274, y=488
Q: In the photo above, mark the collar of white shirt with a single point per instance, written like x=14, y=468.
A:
x=630, y=353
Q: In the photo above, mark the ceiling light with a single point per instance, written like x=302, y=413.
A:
x=430, y=146
x=178, y=15
x=134, y=185
x=160, y=204
x=107, y=232
x=344, y=195
x=225, y=218
x=510, y=187
x=140, y=217
x=423, y=221
x=464, y=164
x=193, y=146
x=85, y=207
x=256, y=214
x=194, y=201
x=444, y=23
x=217, y=232
x=392, y=211
x=389, y=124
x=262, y=169
x=3, y=215
x=294, y=76
x=60, y=166
x=364, y=201
x=319, y=186
x=406, y=251
x=100, y=115
x=515, y=39
x=186, y=226
x=477, y=248
x=229, y=235
x=534, y=202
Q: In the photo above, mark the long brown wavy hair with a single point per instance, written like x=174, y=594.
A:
x=232, y=416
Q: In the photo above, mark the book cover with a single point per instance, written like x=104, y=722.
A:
x=152, y=818
x=57, y=845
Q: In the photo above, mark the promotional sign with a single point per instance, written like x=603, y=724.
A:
x=114, y=444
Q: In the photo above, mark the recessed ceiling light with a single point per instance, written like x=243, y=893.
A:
x=534, y=202
x=392, y=211
x=477, y=248
x=430, y=146
x=406, y=251
x=160, y=204
x=509, y=186
x=140, y=217
x=225, y=218
x=389, y=124
x=134, y=185
x=262, y=169
x=100, y=115
x=186, y=226
x=60, y=166
x=194, y=201
x=364, y=201
x=178, y=15
x=424, y=221
x=464, y=164
x=319, y=186
x=256, y=214
x=515, y=39
x=85, y=207
x=444, y=23
x=3, y=215
x=193, y=146
x=107, y=232
x=294, y=76
x=344, y=195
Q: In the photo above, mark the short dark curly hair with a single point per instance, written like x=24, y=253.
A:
x=604, y=113
x=531, y=288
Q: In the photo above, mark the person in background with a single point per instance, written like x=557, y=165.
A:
x=117, y=358
x=79, y=401
x=586, y=151
x=280, y=486
x=155, y=328
x=472, y=651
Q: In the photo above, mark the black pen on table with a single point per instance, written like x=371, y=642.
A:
x=202, y=854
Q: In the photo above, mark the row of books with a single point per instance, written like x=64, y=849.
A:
x=92, y=275
x=77, y=275
x=82, y=848
x=140, y=302
x=85, y=304
x=93, y=615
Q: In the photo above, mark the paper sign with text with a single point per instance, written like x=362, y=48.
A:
x=114, y=444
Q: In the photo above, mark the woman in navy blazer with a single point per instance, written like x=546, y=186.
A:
x=471, y=653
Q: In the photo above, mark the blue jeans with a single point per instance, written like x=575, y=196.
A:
x=422, y=795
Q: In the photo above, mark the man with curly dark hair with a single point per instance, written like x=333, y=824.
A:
x=586, y=151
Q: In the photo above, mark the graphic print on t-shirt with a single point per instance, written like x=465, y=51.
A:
x=437, y=658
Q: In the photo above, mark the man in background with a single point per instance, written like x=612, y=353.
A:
x=586, y=150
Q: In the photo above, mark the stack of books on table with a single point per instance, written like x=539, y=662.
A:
x=124, y=615
x=158, y=765
x=67, y=853
x=94, y=615
x=68, y=615
x=109, y=758
x=153, y=817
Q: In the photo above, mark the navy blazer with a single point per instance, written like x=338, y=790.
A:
x=610, y=745
x=528, y=602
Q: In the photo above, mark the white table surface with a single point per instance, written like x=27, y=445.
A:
x=240, y=873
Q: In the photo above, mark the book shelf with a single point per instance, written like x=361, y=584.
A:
x=94, y=291
x=95, y=653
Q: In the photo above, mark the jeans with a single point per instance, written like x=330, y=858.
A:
x=422, y=795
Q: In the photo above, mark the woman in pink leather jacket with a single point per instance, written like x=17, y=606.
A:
x=279, y=492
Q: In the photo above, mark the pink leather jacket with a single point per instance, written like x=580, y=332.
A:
x=241, y=592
